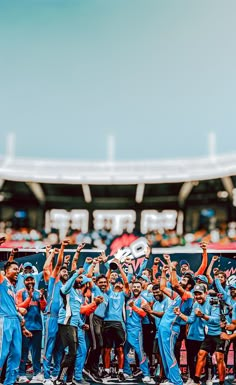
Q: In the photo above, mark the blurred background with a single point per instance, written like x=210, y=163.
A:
x=118, y=119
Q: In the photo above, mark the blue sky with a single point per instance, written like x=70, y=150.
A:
x=157, y=74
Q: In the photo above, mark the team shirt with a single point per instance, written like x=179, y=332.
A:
x=7, y=299
x=69, y=313
x=170, y=320
x=135, y=314
x=101, y=309
x=33, y=318
x=160, y=306
x=116, y=302
x=53, y=297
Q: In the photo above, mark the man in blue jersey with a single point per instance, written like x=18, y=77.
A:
x=86, y=310
x=160, y=304
x=114, y=328
x=96, y=325
x=34, y=302
x=134, y=340
x=196, y=330
x=53, y=347
x=212, y=342
x=231, y=328
x=10, y=324
x=169, y=327
x=69, y=320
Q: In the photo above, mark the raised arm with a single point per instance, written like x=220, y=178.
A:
x=163, y=281
x=13, y=254
x=155, y=268
x=76, y=256
x=47, y=267
x=145, y=262
x=125, y=279
x=209, y=269
x=60, y=257
x=65, y=289
x=204, y=263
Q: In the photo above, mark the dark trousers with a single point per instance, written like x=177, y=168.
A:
x=96, y=332
x=192, y=348
x=69, y=339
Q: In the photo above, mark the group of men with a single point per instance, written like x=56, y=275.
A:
x=91, y=320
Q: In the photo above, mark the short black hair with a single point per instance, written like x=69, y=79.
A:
x=191, y=281
x=101, y=276
x=8, y=265
x=156, y=287
x=64, y=267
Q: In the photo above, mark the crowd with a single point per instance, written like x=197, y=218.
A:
x=91, y=320
x=223, y=234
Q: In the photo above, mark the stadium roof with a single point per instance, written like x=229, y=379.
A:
x=122, y=185
x=122, y=172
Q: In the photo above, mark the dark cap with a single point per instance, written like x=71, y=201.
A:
x=184, y=262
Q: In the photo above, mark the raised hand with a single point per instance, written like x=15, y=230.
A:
x=89, y=260
x=65, y=242
x=167, y=258
x=203, y=245
x=67, y=259
x=80, y=247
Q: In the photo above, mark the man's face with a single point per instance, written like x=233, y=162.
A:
x=136, y=289
x=64, y=275
x=233, y=292
x=102, y=284
x=143, y=283
x=113, y=277
x=118, y=286
x=28, y=270
x=158, y=295
x=12, y=272
x=29, y=283
x=184, y=268
x=146, y=273
x=184, y=282
x=200, y=297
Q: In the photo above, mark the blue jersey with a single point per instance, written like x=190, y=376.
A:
x=33, y=318
x=115, y=309
x=69, y=313
x=197, y=325
x=135, y=314
x=170, y=320
x=101, y=309
x=234, y=313
x=7, y=299
x=149, y=298
x=160, y=306
x=53, y=296
x=227, y=299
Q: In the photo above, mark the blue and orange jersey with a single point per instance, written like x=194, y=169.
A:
x=34, y=306
x=135, y=314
